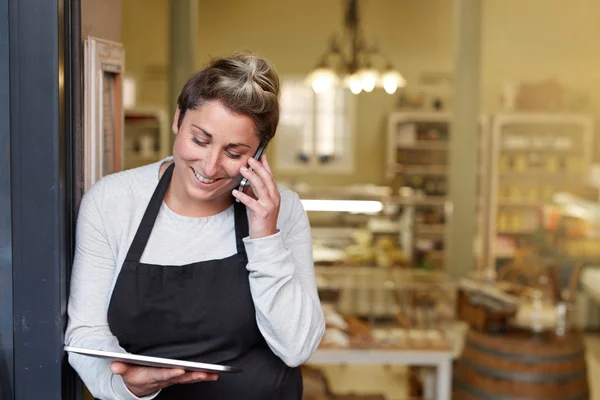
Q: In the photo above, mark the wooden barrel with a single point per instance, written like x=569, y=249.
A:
x=521, y=367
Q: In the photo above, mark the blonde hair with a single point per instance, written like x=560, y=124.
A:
x=243, y=83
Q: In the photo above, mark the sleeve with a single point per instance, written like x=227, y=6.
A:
x=283, y=287
x=91, y=283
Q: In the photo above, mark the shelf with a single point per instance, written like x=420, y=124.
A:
x=437, y=254
x=420, y=170
x=424, y=145
x=138, y=158
x=142, y=125
x=552, y=137
x=410, y=133
x=516, y=232
x=538, y=150
x=368, y=356
x=504, y=254
x=411, y=116
x=430, y=229
x=420, y=201
x=132, y=160
x=573, y=177
x=521, y=204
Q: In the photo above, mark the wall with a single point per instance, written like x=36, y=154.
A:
x=539, y=39
x=542, y=39
x=146, y=38
x=416, y=36
x=101, y=18
x=528, y=41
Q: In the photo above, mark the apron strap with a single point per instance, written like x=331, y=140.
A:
x=241, y=226
x=145, y=229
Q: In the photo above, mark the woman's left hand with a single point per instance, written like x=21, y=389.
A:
x=264, y=209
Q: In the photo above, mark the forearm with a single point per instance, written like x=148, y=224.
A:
x=288, y=311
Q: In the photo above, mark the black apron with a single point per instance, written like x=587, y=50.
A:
x=200, y=312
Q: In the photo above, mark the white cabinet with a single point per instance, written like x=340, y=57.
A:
x=533, y=156
x=417, y=166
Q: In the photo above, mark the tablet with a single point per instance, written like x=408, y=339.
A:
x=153, y=361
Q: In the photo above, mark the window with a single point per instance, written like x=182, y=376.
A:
x=315, y=130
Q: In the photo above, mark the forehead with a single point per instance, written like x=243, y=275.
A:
x=221, y=123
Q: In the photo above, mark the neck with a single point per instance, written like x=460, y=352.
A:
x=181, y=203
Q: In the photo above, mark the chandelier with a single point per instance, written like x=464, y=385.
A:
x=355, y=70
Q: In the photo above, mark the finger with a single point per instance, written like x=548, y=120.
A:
x=258, y=184
x=248, y=201
x=212, y=377
x=259, y=208
x=275, y=190
x=265, y=162
x=189, y=377
x=118, y=368
x=167, y=374
x=145, y=375
x=192, y=377
x=265, y=174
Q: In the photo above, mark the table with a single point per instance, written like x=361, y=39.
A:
x=441, y=360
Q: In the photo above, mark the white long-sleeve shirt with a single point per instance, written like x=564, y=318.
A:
x=281, y=271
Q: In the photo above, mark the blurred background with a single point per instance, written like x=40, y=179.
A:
x=447, y=154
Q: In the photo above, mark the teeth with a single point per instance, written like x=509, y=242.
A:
x=203, y=179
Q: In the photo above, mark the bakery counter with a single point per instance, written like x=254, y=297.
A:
x=411, y=298
x=441, y=360
x=388, y=316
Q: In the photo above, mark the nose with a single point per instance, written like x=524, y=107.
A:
x=212, y=163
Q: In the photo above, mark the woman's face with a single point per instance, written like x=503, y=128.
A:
x=211, y=146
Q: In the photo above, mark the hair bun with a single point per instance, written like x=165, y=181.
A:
x=245, y=83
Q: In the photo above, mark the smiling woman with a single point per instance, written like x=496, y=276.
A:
x=213, y=280
x=207, y=165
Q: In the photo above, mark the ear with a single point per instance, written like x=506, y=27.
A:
x=174, y=127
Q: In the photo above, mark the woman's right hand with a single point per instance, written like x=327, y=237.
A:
x=144, y=381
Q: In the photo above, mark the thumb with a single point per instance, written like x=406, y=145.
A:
x=118, y=368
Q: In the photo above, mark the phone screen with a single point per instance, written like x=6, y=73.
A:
x=256, y=156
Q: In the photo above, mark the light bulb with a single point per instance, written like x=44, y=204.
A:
x=355, y=87
x=355, y=83
x=321, y=85
x=369, y=78
x=322, y=79
x=391, y=80
x=390, y=87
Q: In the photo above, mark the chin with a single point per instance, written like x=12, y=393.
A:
x=221, y=190
x=202, y=196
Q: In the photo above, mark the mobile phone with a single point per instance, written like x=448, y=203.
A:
x=244, y=183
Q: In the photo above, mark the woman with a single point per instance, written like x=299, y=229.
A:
x=168, y=264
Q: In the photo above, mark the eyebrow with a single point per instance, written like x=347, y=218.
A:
x=210, y=137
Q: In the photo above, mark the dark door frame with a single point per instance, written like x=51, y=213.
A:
x=6, y=301
x=44, y=106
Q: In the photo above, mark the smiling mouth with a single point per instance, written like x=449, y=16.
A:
x=203, y=179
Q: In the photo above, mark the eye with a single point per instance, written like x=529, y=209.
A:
x=198, y=142
x=234, y=156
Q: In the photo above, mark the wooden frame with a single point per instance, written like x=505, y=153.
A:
x=104, y=67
